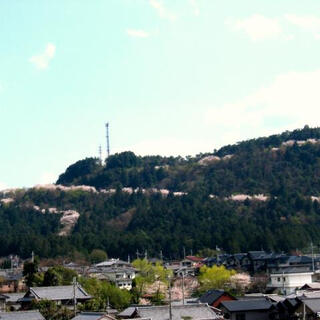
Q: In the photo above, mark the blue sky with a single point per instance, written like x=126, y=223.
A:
x=171, y=77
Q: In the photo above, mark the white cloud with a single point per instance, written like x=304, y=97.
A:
x=292, y=100
x=163, y=12
x=309, y=23
x=137, y=33
x=195, y=7
x=257, y=27
x=42, y=60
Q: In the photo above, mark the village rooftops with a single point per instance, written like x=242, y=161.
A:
x=57, y=293
x=21, y=315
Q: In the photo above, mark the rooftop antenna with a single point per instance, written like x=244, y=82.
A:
x=108, y=142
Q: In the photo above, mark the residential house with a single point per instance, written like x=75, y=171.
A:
x=252, y=309
x=22, y=315
x=11, y=281
x=62, y=295
x=121, y=276
x=214, y=297
x=288, y=280
x=192, y=311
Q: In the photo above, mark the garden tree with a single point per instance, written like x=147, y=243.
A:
x=6, y=264
x=51, y=311
x=148, y=274
x=98, y=255
x=30, y=272
x=59, y=276
x=215, y=277
x=103, y=292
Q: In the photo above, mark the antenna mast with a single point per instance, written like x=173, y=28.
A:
x=108, y=142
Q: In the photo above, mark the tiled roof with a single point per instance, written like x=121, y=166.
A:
x=247, y=305
x=14, y=297
x=21, y=315
x=92, y=316
x=195, y=312
x=58, y=293
x=211, y=296
x=313, y=304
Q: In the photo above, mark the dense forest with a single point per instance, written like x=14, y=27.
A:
x=197, y=210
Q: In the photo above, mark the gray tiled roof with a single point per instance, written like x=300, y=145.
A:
x=91, y=316
x=14, y=297
x=196, y=312
x=247, y=305
x=313, y=304
x=21, y=315
x=58, y=293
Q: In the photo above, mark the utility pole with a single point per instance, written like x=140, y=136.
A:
x=146, y=255
x=170, y=300
x=183, y=287
x=312, y=256
x=32, y=257
x=137, y=253
x=184, y=252
x=74, y=296
x=100, y=154
x=161, y=255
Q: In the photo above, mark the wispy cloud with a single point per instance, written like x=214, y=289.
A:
x=163, y=12
x=290, y=101
x=308, y=23
x=41, y=61
x=137, y=33
x=195, y=7
x=257, y=27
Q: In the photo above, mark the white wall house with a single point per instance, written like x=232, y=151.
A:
x=288, y=281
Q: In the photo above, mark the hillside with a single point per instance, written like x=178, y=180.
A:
x=260, y=193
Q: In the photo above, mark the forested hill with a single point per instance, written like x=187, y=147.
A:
x=261, y=193
x=288, y=162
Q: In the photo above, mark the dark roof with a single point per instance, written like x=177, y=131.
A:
x=211, y=296
x=292, y=270
x=21, y=315
x=247, y=305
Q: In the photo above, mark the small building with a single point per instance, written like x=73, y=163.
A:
x=12, y=302
x=62, y=295
x=252, y=309
x=288, y=280
x=214, y=297
x=22, y=315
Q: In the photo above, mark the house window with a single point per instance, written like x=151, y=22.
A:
x=240, y=316
x=279, y=279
